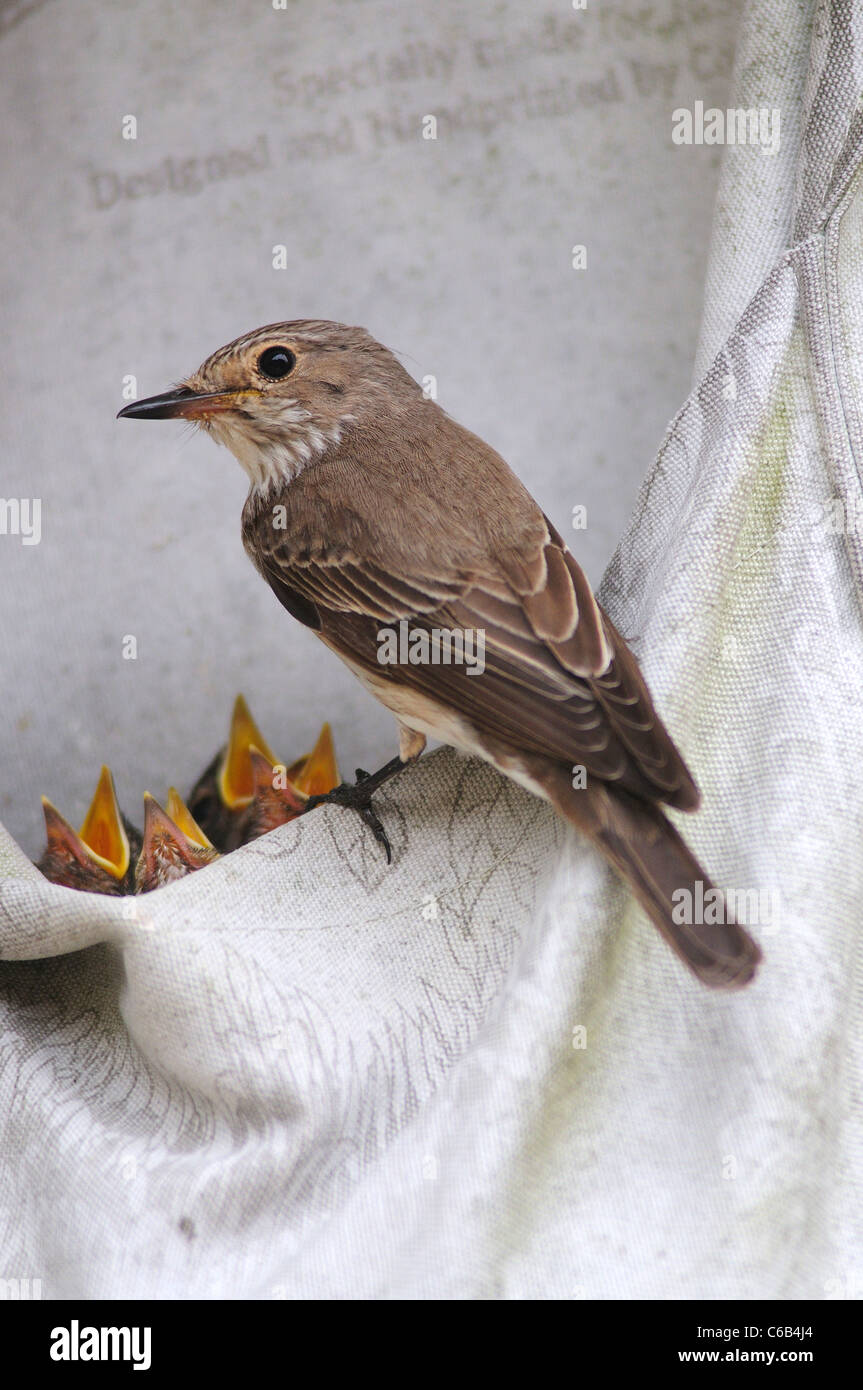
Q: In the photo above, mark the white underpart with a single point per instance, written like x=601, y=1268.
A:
x=426, y=716
x=275, y=446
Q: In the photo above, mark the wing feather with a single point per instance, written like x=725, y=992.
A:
x=559, y=679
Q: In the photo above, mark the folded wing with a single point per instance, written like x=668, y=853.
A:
x=559, y=680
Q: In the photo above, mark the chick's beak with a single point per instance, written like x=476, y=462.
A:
x=236, y=780
x=103, y=831
x=183, y=404
x=182, y=817
x=318, y=772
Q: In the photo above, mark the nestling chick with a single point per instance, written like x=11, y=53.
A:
x=99, y=858
x=169, y=852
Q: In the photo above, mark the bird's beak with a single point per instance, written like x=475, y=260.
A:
x=183, y=404
x=159, y=831
x=62, y=839
x=318, y=772
x=236, y=782
x=182, y=817
x=263, y=773
x=103, y=831
x=164, y=842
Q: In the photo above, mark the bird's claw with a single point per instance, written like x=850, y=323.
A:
x=358, y=798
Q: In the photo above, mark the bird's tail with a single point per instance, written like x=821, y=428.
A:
x=666, y=878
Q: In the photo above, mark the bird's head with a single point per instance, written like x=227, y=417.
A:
x=282, y=395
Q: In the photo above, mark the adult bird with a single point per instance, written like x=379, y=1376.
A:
x=368, y=507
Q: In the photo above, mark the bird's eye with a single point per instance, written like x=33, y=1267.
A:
x=276, y=362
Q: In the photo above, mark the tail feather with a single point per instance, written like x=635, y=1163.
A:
x=664, y=874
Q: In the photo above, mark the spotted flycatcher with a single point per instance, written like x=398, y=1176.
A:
x=407, y=545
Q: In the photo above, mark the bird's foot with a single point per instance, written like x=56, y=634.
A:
x=358, y=797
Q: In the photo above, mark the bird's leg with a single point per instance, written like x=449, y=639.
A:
x=358, y=796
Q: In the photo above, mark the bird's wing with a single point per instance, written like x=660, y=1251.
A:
x=559, y=680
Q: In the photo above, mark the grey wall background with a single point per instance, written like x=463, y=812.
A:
x=302, y=127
